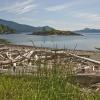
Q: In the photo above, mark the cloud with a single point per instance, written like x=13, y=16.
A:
x=19, y=7
x=71, y=4
x=88, y=16
x=50, y=22
x=64, y=6
x=61, y=6
x=57, y=8
x=88, y=25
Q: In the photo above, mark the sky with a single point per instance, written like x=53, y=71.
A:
x=60, y=14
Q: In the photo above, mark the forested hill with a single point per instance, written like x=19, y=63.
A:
x=54, y=32
x=6, y=29
x=22, y=27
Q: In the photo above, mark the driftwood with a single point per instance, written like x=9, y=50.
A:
x=19, y=58
x=84, y=58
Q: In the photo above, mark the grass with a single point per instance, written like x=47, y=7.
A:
x=44, y=88
x=55, y=84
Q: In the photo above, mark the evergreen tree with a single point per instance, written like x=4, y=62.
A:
x=6, y=29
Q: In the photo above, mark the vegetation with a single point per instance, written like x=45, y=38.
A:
x=35, y=88
x=54, y=32
x=43, y=85
x=2, y=41
x=6, y=29
x=97, y=48
x=22, y=27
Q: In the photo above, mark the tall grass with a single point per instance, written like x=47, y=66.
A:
x=32, y=88
x=49, y=85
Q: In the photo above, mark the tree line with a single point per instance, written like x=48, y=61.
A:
x=6, y=29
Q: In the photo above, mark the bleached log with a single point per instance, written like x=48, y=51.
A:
x=2, y=56
x=3, y=49
x=29, y=54
x=84, y=58
x=17, y=59
x=14, y=64
x=19, y=56
x=26, y=55
x=36, y=57
x=9, y=56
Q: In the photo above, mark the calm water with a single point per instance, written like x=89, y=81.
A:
x=86, y=42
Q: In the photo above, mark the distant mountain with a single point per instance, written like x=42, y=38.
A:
x=89, y=30
x=22, y=27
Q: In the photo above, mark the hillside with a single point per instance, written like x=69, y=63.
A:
x=6, y=29
x=89, y=30
x=21, y=27
x=54, y=32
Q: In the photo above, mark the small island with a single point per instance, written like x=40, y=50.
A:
x=54, y=32
x=97, y=48
x=4, y=29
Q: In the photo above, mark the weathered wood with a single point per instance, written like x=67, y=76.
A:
x=87, y=59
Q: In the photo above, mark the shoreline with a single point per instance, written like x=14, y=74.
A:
x=25, y=58
x=47, y=48
x=29, y=46
x=4, y=41
x=91, y=54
